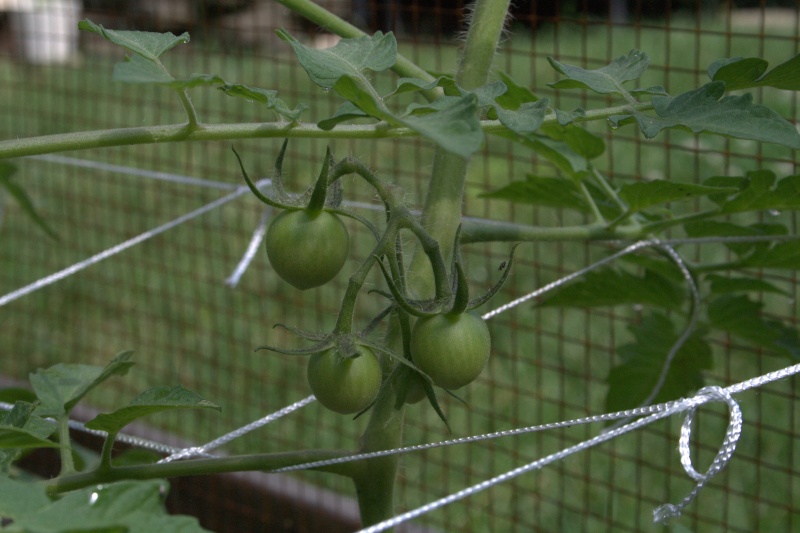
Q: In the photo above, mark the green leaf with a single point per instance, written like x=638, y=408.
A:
x=347, y=111
x=149, y=45
x=21, y=498
x=21, y=430
x=137, y=69
x=760, y=192
x=353, y=90
x=632, y=381
x=22, y=198
x=21, y=439
x=197, y=80
x=537, y=190
x=724, y=285
x=565, y=118
x=455, y=128
x=744, y=73
x=741, y=317
x=405, y=85
x=151, y=401
x=268, y=97
x=643, y=194
x=515, y=94
x=349, y=57
x=608, y=79
x=612, y=286
x=580, y=141
x=125, y=506
x=780, y=255
x=62, y=386
x=713, y=228
x=704, y=110
x=488, y=93
x=526, y=119
x=557, y=152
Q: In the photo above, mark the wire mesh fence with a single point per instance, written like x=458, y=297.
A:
x=167, y=298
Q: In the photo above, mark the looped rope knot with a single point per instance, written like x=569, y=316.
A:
x=666, y=512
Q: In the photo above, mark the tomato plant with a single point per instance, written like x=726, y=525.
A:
x=308, y=244
x=451, y=349
x=344, y=384
x=307, y=249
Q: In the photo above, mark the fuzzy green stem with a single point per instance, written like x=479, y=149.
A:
x=191, y=113
x=196, y=467
x=375, y=478
x=105, y=455
x=82, y=140
x=65, y=444
x=488, y=19
x=475, y=230
x=441, y=218
x=442, y=211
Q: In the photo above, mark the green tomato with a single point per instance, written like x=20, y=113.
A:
x=451, y=349
x=415, y=392
x=307, y=250
x=344, y=385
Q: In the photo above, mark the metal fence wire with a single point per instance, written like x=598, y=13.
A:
x=167, y=299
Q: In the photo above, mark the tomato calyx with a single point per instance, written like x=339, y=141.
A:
x=455, y=303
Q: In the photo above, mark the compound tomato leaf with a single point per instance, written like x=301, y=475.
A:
x=349, y=57
x=784, y=254
x=705, y=110
x=544, y=191
x=526, y=119
x=643, y=194
x=724, y=285
x=557, y=152
x=611, y=286
x=744, y=73
x=455, y=128
x=125, y=506
x=642, y=362
x=741, y=317
x=714, y=228
x=447, y=83
x=148, y=44
x=605, y=80
x=12, y=438
x=760, y=192
x=61, y=386
x=582, y=142
x=137, y=69
x=150, y=401
x=268, y=97
x=353, y=89
x=347, y=111
x=737, y=72
x=197, y=80
x=21, y=498
x=515, y=94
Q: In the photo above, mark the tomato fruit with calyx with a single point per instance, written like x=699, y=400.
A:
x=451, y=349
x=307, y=249
x=344, y=384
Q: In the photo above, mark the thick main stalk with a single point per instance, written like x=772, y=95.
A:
x=441, y=217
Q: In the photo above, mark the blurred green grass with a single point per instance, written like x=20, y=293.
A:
x=167, y=300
